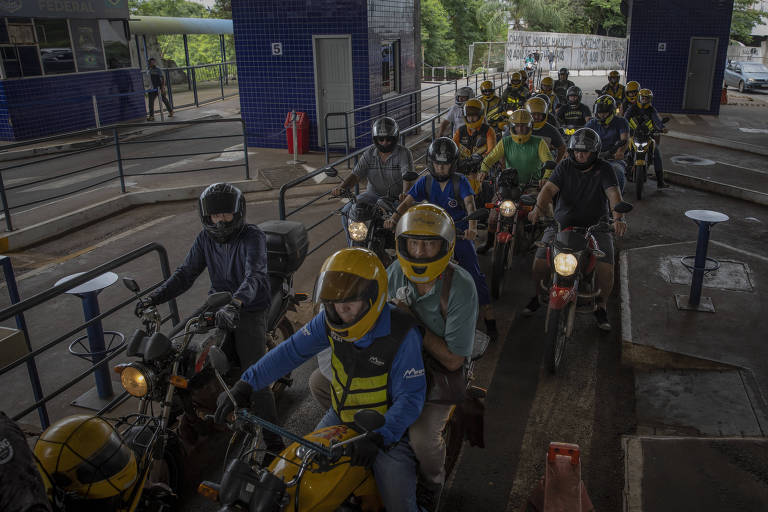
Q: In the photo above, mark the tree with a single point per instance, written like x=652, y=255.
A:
x=522, y=15
x=602, y=17
x=745, y=18
x=436, y=34
x=466, y=28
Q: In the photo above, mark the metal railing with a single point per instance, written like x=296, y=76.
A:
x=107, y=162
x=206, y=83
x=424, y=75
x=18, y=309
x=407, y=108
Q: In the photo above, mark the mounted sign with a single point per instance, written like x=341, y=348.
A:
x=277, y=49
x=115, y=9
x=662, y=47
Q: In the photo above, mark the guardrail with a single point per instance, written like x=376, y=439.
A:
x=18, y=309
x=206, y=82
x=25, y=192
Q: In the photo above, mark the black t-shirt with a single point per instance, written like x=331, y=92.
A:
x=550, y=134
x=582, y=200
x=573, y=115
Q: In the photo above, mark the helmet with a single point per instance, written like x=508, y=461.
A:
x=632, y=87
x=547, y=84
x=464, y=92
x=573, y=91
x=222, y=198
x=486, y=88
x=614, y=77
x=520, y=117
x=563, y=71
x=523, y=75
x=443, y=150
x=425, y=222
x=537, y=105
x=385, y=128
x=85, y=455
x=644, y=98
x=584, y=139
x=351, y=274
x=474, y=106
x=516, y=80
x=604, y=103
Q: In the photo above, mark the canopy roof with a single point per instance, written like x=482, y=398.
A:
x=157, y=25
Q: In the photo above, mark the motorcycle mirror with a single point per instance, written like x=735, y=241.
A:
x=369, y=420
x=410, y=176
x=527, y=200
x=550, y=164
x=331, y=172
x=623, y=207
x=217, y=300
x=218, y=360
x=131, y=284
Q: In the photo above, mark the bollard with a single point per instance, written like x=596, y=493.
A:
x=295, y=160
x=96, y=113
x=705, y=219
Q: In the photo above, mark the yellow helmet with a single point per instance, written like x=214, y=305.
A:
x=644, y=98
x=631, y=90
x=537, y=106
x=547, y=84
x=486, y=89
x=85, y=455
x=352, y=274
x=516, y=80
x=425, y=222
x=474, y=106
x=614, y=77
x=520, y=116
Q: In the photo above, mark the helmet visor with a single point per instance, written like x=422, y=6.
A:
x=487, y=92
x=219, y=202
x=422, y=248
x=472, y=111
x=339, y=286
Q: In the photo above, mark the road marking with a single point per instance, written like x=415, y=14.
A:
x=77, y=178
x=317, y=179
x=168, y=167
x=626, y=311
x=740, y=251
x=683, y=119
x=231, y=154
x=741, y=167
x=80, y=252
x=754, y=130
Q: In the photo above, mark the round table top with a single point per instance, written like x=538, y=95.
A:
x=94, y=285
x=706, y=216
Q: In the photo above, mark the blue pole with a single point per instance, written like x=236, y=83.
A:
x=700, y=263
x=96, y=343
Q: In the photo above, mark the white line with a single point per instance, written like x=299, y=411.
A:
x=683, y=119
x=168, y=167
x=65, y=198
x=71, y=180
x=317, y=179
x=740, y=251
x=626, y=311
x=741, y=167
x=230, y=154
x=754, y=130
x=711, y=121
x=633, y=474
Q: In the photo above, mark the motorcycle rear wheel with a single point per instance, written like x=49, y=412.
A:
x=556, y=339
x=498, y=264
x=640, y=172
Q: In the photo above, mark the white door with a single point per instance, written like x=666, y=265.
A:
x=701, y=72
x=333, y=87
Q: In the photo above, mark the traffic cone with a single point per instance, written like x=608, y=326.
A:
x=724, y=95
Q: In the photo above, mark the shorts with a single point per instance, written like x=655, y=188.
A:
x=604, y=243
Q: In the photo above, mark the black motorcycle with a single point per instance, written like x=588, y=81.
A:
x=640, y=156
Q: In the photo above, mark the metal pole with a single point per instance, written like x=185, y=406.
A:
x=224, y=58
x=294, y=127
x=138, y=51
x=221, y=79
x=700, y=263
x=194, y=86
x=21, y=324
x=245, y=152
x=96, y=344
x=346, y=133
x=186, y=59
x=6, y=209
x=119, y=159
x=160, y=103
x=146, y=52
x=96, y=113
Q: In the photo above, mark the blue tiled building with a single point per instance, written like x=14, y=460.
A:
x=678, y=50
x=319, y=56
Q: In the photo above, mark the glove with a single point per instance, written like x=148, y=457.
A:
x=144, y=303
x=228, y=317
x=241, y=392
x=365, y=450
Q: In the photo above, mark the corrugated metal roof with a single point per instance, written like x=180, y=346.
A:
x=156, y=25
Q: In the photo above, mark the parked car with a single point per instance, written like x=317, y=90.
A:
x=746, y=75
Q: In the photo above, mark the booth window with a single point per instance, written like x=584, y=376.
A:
x=55, y=46
x=23, y=58
x=88, y=50
x=390, y=67
x=116, y=49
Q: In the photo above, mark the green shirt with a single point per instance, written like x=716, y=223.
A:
x=458, y=330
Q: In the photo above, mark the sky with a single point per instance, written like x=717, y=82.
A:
x=207, y=3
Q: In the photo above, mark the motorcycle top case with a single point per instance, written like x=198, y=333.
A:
x=287, y=244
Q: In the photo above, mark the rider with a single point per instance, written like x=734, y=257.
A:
x=22, y=488
x=547, y=88
x=475, y=140
x=376, y=353
x=542, y=128
x=584, y=185
x=574, y=113
x=235, y=255
x=449, y=190
x=630, y=96
x=384, y=164
x=562, y=84
x=613, y=88
x=489, y=98
x=454, y=119
x=515, y=94
x=643, y=113
x=614, y=134
x=425, y=242
x=520, y=150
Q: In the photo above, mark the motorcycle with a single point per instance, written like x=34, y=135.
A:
x=497, y=118
x=641, y=155
x=572, y=255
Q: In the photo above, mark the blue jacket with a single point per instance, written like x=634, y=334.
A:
x=407, y=382
x=610, y=135
x=238, y=267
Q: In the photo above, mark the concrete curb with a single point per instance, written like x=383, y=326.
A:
x=717, y=187
x=57, y=226
x=728, y=144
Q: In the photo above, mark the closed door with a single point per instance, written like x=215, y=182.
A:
x=333, y=88
x=701, y=73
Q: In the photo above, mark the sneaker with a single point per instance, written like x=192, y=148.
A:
x=532, y=307
x=170, y=113
x=428, y=496
x=601, y=315
x=151, y=118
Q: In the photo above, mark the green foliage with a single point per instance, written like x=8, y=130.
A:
x=744, y=20
x=436, y=36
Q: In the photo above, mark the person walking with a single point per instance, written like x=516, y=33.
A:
x=158, y=88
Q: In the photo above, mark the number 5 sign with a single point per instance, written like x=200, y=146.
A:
x=277, y=48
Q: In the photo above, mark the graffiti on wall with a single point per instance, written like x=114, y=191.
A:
x=573, y=51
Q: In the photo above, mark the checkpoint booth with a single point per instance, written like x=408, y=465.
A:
x=60, y=58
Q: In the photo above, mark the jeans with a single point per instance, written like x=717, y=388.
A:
x=658, y=166
x=152, y=96
x=465, y=255
x=394, y=470
x=620, y=170
x=426, y=437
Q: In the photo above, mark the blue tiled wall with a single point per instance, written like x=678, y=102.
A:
x=660, y=21
x=41, y=106
x=271, y=86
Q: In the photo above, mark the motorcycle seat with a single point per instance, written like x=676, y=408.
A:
x=276, y=282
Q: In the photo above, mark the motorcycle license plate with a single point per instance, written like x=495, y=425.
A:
x=640, y=162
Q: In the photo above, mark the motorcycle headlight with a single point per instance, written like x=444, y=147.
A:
x=507, y=208
x=565, y=264
x=641, y=145
x=137, y=380
x=509, y=112
x=358, y=231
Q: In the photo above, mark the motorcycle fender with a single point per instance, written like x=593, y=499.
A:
x=503, y=237
x=326, y=490
x=559, y=296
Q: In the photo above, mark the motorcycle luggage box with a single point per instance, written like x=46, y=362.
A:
x=287, y=244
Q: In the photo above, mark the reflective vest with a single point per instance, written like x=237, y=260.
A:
x=361, y=375
x=472, y=141
x=491, y=103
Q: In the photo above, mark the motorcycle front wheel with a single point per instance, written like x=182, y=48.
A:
x=498, y=262
x=640, y=172
x=556, y=339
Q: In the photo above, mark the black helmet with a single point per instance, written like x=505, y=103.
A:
x=563, y=71
x=386, y=128
x=442, y=151
x=222, y=198
x=584, y=139
x=573, y=91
